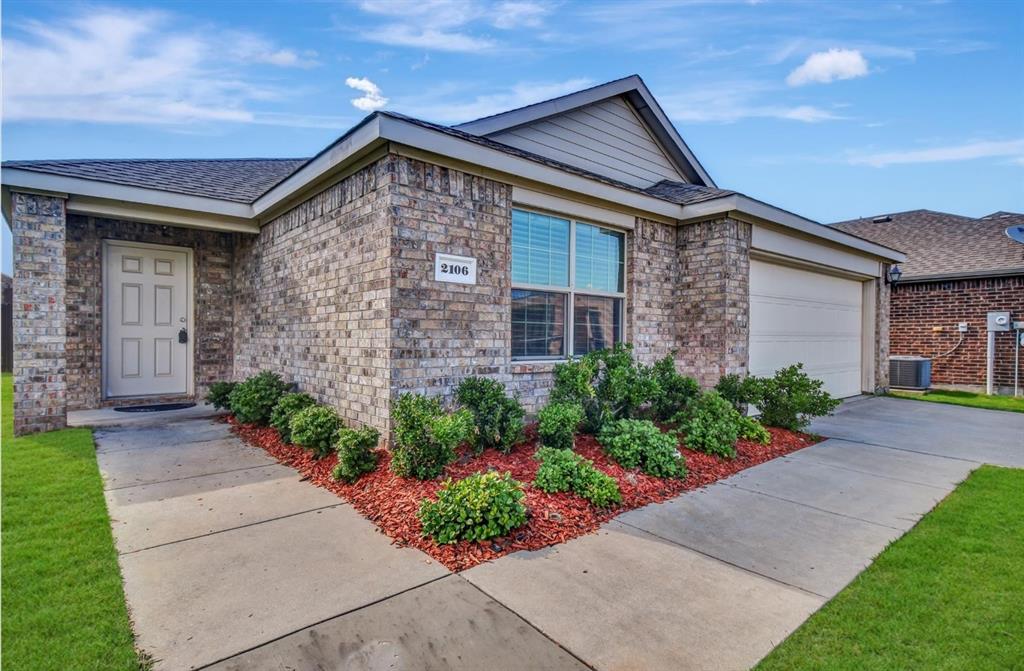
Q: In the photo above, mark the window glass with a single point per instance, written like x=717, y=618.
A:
x=540, y=249
x=596, y=323
x=600, y=258
x=538, y=324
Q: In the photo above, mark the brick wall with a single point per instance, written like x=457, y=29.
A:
x=312, y=296
x=212, y=296
x=652, y=275
x=917, y=307
x=40, y=387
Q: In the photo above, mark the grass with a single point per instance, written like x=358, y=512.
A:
x=948, y=595
x=63, y=604
x=967, y=398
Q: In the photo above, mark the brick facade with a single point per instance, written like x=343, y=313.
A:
x=212, y=297
x=920, y=307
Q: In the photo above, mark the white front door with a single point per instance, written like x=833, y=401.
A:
x=147, y=305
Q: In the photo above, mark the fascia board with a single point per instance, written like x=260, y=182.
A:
x=154, y=215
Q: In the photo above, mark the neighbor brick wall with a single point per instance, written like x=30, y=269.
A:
x=917, y=307
x=212, y=297
x=40, y=384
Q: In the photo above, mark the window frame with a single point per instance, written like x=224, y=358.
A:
x=569, y=293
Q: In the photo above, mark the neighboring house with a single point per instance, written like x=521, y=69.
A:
x=574, y=223
x=958, y=269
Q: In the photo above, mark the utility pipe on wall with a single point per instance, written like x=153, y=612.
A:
x=990, y=360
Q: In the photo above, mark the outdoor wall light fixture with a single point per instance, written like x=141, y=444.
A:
x=894, y=275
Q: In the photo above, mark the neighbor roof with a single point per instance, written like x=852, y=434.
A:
x=240, y=180
x=940, y=245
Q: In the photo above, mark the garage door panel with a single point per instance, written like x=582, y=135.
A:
x=807, y=317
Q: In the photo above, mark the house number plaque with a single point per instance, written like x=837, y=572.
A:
x=451, y=268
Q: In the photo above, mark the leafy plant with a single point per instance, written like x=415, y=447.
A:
x=674, y=390
x=557, y=424
x=498, y=418
x=426, y=436
x=639, y=443
x=282, y=414
x=355, y=453
x=252, y=401
x=609, y=384
x=711, y=425
x=751, y=429
x=789, y=399
x=481, y=506
x=219, y=394
x=316, y=428
x=563, y=470
x=732, y=388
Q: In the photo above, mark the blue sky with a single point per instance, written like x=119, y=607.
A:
x=832, y=110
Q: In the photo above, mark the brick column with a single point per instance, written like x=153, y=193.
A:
x=40, y=382
x=882, y=303
x=712, y=312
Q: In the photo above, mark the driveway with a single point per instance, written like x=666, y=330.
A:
x=230, y=562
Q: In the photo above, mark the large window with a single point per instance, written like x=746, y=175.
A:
x=568, y=280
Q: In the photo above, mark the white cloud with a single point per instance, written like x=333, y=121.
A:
x=426, y=24
x=372, y=98
x=828, y=66
x=513, y=14
x=732, y=101
x=960, y=152
x=127, y=66
x=443, y=106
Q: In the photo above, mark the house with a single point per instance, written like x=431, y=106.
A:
x=958, y=269
x=408, y=255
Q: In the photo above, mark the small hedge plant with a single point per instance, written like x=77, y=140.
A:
x=316, y=428
x=674, y=391
x=252, y=401
x=564, y=470
x=355, y=453
x=639, y=443
x=751, y=429
x=711, y=425
x=608, y=384
x=286, y=408
x=426, y=436
x=219, y=395
x=557, y=424
x=731, y=387
x=498, y=417
x=788, y=399
x=481, y=506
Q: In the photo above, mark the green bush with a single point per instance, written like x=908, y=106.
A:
x=498, y=418
x=557, y=424
x=789, y=399
x=282, y=414
x=219, y=394
x=751, y=429
x=608, y=384
x=639, y=443
x=426, y=436
x=563, y=470
x=481, y=506
x=316, y=428
x=355, y=453
x=674, y=390
x=711, y=425
x=732, y=388
x=252, y=401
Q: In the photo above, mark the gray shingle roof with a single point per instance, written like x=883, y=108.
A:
x=683, y=193
x=241, y=180
x=938, y=244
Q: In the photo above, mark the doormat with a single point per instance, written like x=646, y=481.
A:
x=159, y=407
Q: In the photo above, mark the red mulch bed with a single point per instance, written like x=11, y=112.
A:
x=392, y=502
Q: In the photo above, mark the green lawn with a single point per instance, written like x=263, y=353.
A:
x=63, y=605
x=966, y=398
x=948, y=595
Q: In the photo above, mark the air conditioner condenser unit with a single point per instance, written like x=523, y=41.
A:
x=910, y=372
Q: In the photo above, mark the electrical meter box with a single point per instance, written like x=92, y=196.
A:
x=998, y=321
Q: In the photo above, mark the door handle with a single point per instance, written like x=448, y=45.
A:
x=183, y=336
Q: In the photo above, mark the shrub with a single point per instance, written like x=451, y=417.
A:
x=426, y=436
x=674, y=390
x=481, y=506
x=316, y=428
x=789, y=399
x=608, y=384
x=355, y=453
x=711, y=425
x=732, y=388
x=639, y=443
x=282, y=414
x=751, y=429
x=219, y=395
x=564, y=470
x=252, y=401
x=498, y=418
x=558, y=423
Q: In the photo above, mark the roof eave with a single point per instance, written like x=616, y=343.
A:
x=964, y=275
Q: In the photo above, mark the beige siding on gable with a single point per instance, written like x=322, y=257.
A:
x=607, y=138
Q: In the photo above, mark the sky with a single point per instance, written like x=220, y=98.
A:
x=832, y=110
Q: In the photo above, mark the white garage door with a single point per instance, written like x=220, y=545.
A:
x=808, y=317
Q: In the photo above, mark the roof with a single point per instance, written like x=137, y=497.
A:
x=683, y=193
x=239, y=180
x=940, y=245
